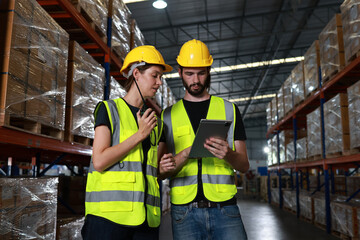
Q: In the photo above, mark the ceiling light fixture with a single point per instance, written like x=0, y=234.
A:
x=159, y=4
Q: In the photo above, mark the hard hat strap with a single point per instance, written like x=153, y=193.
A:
x=135, y=65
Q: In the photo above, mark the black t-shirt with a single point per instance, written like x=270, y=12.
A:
x=102, y=118
x=197, y=111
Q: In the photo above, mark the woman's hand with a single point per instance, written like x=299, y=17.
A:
x=218, y=147
x=146, y=122
x=167, y=163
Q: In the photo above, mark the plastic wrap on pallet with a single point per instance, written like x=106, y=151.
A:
x=116, y=90
x=354, y=114
x=274, y=110
x=139, y=38
x=88, y=91
x=164, y=96
x=332, y=58
x=28, y=208
x=290, y=152
x=288, y=95
x=314, y=142
x=350, y=12
x=344, y=217
x=301, y=149
x=70, y=228
x=298, y=84
x=336, y=122
x=289, y=198
x=121, y=28
x=37, y=68
x=306, y=205
x=311, y=68
x=95, y=11
x=275, y=195
x=274, y=150
x=319, y=210
x=269, y=122
x=280, y=103
x=282, y=140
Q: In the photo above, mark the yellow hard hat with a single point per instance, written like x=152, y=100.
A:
x=194, y=53
x=147, y=54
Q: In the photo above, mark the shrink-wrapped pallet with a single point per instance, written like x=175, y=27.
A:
x=314, y=140
x=306, y=206
x=32, y=214
x=354, y=114
x=116, y=90
x=70, y=228
x=288, y=95
x=274, y=110
x=274, y=150
x=282, y=146
x=290, y=152
x=289, y=198
x=275, y=197
x=331, y=48
x=139, y=38
x=298, y=84
x=301, y=149
x=269, y=122
x=121, y=28
x=86, y=81
x=164, y=96
x=95, y=12
x=280, y=103
x=269, y=153
x=345, y=218
x=336, y=123
x=311, y=68
x=35, y=83
x=350, y=12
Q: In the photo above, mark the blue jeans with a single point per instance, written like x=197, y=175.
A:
x=220, y=223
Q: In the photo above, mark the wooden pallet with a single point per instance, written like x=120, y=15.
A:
x=306, y=219
x=343, y=236
x=352, y=58
x=31, y=126
x=89, y=19
x=82, y=140
x=314, y=158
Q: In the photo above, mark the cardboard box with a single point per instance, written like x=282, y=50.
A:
x=331, y=48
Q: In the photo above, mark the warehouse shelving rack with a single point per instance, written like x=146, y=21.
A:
x=29, y=147
x=296, y=119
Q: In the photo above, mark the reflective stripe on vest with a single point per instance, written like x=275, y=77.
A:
x=118, y=193
x=217, y=174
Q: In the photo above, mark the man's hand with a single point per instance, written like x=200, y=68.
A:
x=218, y=147
x=167, y=163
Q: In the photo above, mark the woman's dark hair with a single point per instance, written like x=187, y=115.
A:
x=142, y=69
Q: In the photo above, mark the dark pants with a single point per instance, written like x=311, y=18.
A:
x=100, y=228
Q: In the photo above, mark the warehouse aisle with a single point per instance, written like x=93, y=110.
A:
x=264, y=221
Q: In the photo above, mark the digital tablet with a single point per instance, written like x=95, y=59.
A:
x=208, y=128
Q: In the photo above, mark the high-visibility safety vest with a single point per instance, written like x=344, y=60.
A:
x=122, y=193
x=217, y=175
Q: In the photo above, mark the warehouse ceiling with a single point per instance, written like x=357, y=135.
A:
x=237, y=32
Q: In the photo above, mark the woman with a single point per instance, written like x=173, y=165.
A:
x=122, y=193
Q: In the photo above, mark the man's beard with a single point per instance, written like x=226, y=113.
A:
x=198, y=91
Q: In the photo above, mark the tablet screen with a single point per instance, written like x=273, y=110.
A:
x=208, y=128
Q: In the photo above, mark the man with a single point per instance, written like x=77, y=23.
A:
x=203, y=203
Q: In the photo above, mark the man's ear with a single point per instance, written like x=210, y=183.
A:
x=180, y=72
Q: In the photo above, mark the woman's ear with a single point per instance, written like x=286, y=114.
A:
x=136, y=73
